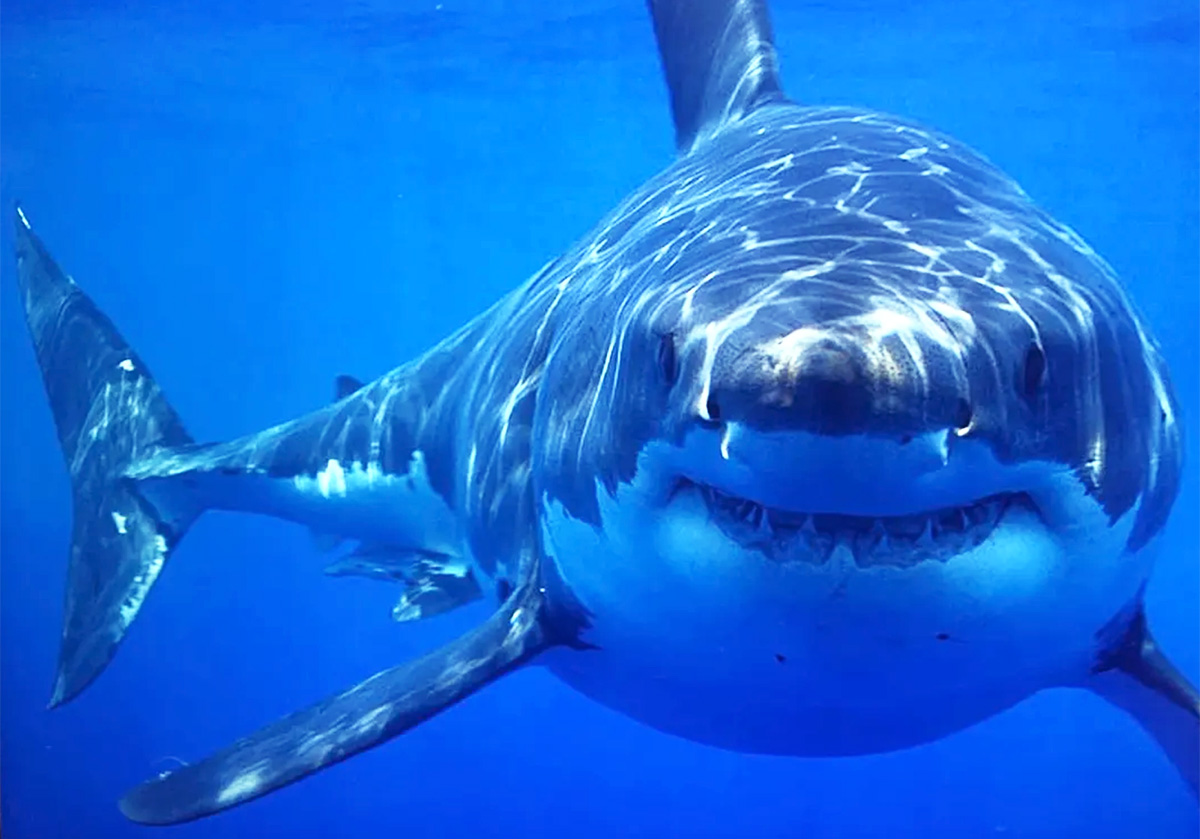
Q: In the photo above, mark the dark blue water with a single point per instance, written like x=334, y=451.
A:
x=265, y=197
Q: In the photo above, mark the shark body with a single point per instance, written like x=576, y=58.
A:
x=825, y=441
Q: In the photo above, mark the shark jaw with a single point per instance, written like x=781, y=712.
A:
x=899, y=540
x=785, y=621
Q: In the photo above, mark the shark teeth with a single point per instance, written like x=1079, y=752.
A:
x=901, y=541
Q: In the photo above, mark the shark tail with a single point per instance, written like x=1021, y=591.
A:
x=109, y=413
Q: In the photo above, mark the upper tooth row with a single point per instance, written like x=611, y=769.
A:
x=918, y=528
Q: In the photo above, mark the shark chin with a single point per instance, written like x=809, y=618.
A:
x=774, y=630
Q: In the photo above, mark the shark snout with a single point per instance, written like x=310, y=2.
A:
x=836, y=387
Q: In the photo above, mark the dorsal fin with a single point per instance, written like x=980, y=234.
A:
x=719, y=60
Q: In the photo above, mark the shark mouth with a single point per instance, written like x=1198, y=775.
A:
x=901, y=541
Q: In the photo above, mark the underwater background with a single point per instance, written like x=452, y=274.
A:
x=263, y=196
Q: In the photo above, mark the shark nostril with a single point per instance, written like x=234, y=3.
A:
x=963, y=415
x=712, y=409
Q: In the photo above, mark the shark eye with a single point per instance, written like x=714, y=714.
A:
x=1034, y=372
x=668, y=364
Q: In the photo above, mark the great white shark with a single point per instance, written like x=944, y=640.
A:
x=826, y=441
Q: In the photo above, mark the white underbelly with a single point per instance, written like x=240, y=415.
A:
x=701, y=637
x=350, y=500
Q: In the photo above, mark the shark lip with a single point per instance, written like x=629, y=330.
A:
x=902, y=541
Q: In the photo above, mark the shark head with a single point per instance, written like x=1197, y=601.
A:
x=908, y=437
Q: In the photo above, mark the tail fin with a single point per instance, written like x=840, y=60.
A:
x=1138, y=678
x=109, y=412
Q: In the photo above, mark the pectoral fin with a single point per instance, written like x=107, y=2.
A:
x=1137, y=678
x=378, y=709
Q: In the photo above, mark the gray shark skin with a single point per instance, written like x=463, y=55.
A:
x=434, y=583
x=826, y=441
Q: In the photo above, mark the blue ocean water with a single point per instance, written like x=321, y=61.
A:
x=263, y=196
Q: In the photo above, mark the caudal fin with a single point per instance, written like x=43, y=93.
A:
x=1139, y=679
x=109, y=412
